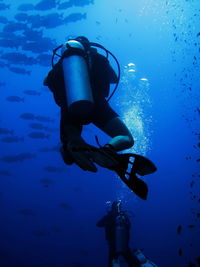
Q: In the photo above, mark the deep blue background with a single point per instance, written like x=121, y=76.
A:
x=53, y=222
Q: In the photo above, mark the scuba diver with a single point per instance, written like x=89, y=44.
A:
x=80, y=82
x=117, y=232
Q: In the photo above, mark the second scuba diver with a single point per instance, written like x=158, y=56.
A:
x=117, y=227
x=80, y=82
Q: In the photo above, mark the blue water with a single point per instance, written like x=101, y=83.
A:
x=49, y=210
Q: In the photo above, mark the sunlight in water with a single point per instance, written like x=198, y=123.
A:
x=134, y=104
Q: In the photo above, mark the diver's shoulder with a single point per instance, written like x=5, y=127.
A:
x=97, y=56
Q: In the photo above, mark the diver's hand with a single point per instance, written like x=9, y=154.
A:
x=80, y=151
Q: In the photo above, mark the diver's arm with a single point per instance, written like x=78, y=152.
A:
x=102, y=222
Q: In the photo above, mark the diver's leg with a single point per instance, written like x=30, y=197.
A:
x=68, y=132
x=121, y=136
x=131, y=259
x=106, y=119
x=74, y=149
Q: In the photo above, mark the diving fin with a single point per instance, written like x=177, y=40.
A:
x=140, y=165
x=103, y=158
x=136, y=185
x=85, y=156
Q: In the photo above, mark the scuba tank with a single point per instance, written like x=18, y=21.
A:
x=121, y=234
x=79, y=69
x=78, y=90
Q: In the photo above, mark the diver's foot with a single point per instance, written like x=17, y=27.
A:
x=67, y=158
x=143, y=166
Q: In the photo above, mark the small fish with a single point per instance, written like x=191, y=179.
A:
x=44, y=119
x=5, y=173
x=46, y=181
x=65, y=206
x=38, y=135
x=53, y=169
x=180, y=252
x=65, y=5
x=4, y=6
x=45, y=5
x=98, y=37
x=12, y=139
x=7, y=43
x=44, y=149
x=49, y=149
x=17, y=57
x=51, y=130
x=14, y=98
x=27, y=116
x=3, y=20
x=192, y=183
x=191, y=226
x=20, y=70
x=21, y=17
x=26, y=7
x=6, y=131
x=18, y=158
x=179, y=229
x=31, y=92
x=73, y=17
x=37, y=126
x=26, y=212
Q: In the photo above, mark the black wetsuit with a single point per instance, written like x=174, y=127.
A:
x=109, y=223
x=101, y=76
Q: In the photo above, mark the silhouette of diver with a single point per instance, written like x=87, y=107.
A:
x=80, y=82
x=117, y=230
